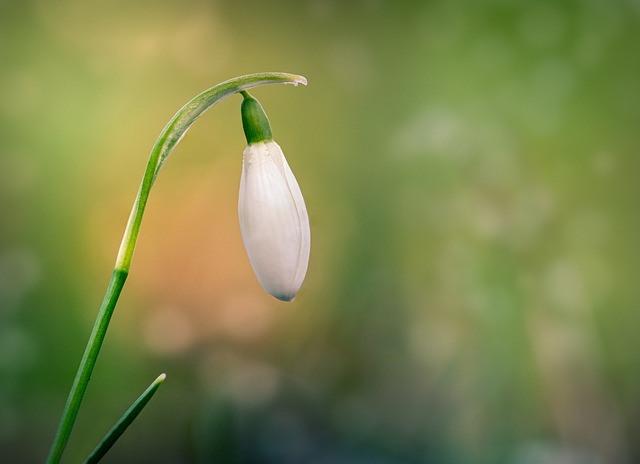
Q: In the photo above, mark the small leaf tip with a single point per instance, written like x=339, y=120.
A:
x=299, y=80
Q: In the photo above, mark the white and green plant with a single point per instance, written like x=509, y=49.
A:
x=273, y=222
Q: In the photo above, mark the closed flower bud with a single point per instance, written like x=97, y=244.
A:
x=273, y=217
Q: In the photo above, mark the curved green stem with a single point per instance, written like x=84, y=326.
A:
x=163, y=147
x=172, y=134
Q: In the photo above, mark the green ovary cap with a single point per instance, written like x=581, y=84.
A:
x=254, y=120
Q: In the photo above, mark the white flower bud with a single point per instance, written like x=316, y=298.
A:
x=273, y=220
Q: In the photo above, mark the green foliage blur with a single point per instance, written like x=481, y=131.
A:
x=470, y=170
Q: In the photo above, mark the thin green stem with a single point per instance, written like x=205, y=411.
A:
x=83, y=375
x=168, y=139
x=125, y=421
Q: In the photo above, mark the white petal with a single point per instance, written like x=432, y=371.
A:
x=273, y=220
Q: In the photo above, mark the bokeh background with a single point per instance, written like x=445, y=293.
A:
x=471, y=174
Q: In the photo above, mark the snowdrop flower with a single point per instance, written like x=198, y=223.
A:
x=273, y=217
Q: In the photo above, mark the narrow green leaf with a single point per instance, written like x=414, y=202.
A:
x=118, y=429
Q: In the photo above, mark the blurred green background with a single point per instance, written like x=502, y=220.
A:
x=470, y=170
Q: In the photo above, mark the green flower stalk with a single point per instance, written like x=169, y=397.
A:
x=166, y=142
